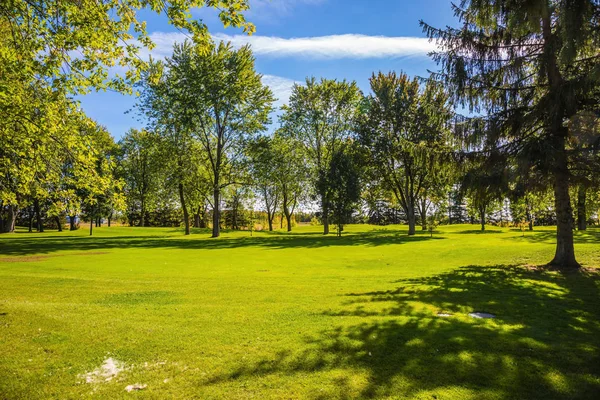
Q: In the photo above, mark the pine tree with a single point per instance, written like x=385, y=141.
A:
x=529, y=67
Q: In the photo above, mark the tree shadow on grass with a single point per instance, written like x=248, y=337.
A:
x=479, y=231
x=544, y=343
x=48, y=244
x=588, y=236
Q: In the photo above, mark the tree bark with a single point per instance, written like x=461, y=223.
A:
x=109, y=218
x=31, y=216
x=186, y=217
x=564, y=257
x=142, y=213
x=58, y=223
x=581, y=208
x=325, y=217
x=423, y=214
x=216, y=229
x=197, y=219
x=72, y=223
x=482, y=218
x=412, y=220
x=7, y=225
x=91, y=225
x=38, y=214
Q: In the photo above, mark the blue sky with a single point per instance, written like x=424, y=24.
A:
x=294, y=39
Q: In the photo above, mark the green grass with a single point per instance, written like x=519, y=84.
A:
x=298, y=315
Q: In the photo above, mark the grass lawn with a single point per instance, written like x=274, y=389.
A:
x=297, y=315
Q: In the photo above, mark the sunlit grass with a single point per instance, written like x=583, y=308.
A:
x=298, y=315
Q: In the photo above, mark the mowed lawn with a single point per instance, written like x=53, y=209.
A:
x=298, y=315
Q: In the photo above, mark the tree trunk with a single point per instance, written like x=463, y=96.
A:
x=216, y=229
x=288, y=217
x=109, y=218
x=270, y=217
x=91, y=225
x=325, y=216
x=38, y=214
x=482, y=218
x=7, y=225
x=58, y=223
x=423, y=214
x=531, y=224
x=72, y=222
x=564, y=257
x=31, y=216
x=203, y=223
x=142, y=213
x=581, y=209
x=412, y=220
x=197, y=219
x=186, y=217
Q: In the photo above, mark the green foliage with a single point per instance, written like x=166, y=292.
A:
x=320, y=117
x=404, y=129
x=217, y=99
x=141, y=168
x=527, y=69
x=342, y=181
x=75, y=43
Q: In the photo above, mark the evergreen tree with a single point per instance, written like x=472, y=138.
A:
x=529, y=67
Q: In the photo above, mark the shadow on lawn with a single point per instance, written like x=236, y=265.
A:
x=19, y=245
x=479, y=231
x=544, y=343
x=588, y=236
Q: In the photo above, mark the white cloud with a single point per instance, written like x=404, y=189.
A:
x=317, y=47
x=281, y=87
x=334, y=46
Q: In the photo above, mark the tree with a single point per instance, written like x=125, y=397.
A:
x=161, y=103
x=343, y=182
x=320, y=115
x=140, y=165
x=263, y=171
x=51, y=50
x=485, y=183
x=224, y=103
x=529, y=67
x=291, y=173
x=74, y=43
x=404, y=128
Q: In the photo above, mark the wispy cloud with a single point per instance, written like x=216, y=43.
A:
x=349, y=46
x=334, y=46
x=281, y=87
x=318, y=47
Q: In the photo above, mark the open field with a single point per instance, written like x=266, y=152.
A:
x=298, y=315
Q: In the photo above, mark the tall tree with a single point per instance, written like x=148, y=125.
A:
x=291, y=173
x=223, y=103
x=263, y=172
x=53, y=49
x=404, y=128
x=140, y=163
x=343, y=182
x=529, y=67
x=485, y=183
x=320, y=115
